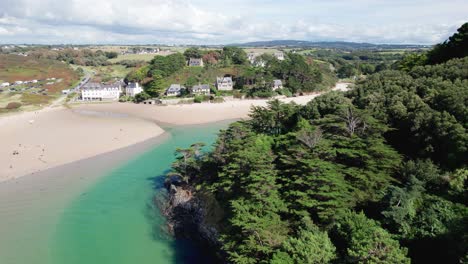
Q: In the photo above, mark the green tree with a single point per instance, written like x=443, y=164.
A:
x=311, y=246
x=193, y=52
x=366, y=242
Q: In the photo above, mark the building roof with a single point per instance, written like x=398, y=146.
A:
x=175, y=88
x=201, y=87
x=278, y=82
x=224, y=79
x=100, y=86
x=133, y=85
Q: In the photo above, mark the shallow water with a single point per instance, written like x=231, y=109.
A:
x=113, y=220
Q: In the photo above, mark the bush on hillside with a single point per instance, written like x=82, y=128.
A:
x=13, y=105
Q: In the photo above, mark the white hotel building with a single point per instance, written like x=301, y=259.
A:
x=101, y=92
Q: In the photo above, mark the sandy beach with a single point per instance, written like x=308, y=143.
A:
x=35, y=141
x=190, y=114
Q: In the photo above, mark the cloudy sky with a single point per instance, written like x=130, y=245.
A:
x=228, y=21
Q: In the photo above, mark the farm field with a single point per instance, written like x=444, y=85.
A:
x=138, y=57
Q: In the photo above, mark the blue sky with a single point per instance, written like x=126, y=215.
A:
x=228, y=21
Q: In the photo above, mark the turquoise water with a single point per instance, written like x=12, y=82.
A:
x=115, y=221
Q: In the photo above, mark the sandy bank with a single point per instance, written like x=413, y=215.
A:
x=35, y=141
x=190, y=114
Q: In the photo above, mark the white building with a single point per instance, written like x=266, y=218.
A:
x=224, y=83
x=133, y=89
x=201, y=89
x=195, y=62
x=279, y=55
x=277, y=84
x=100, y=92
x=252, y=56
x=175, y=90
x=5, y=84
x=18, y=82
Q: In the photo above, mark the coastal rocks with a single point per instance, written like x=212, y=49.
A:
x=189, y=216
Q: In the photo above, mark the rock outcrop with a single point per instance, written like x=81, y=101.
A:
x=187, y=215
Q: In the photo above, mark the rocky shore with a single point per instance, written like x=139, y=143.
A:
x=192, y=216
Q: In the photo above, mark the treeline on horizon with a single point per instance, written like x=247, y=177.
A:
x=376, y=175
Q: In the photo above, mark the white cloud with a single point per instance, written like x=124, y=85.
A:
x=207, y=22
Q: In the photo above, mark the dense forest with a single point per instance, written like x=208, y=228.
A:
x=376, y=175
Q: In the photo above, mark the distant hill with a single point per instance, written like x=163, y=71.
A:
x=325, y=44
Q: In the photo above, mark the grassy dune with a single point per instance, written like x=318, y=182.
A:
x=18, y=68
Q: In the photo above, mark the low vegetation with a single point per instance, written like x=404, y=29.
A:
x=19, y=68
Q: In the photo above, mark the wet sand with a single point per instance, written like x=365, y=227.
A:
x=36, y=141
x=31, y=205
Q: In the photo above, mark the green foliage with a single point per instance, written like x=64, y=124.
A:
x=311, y=246
x=347, y=71
x=168, y=64
x=454, y=47
x=142, y=97
x=428, y=112
x=193, y=53
x=411, y=61
x=137, y=75
x=292, y=179
x=234, y=55
x=111, y=55
x=366, y=242
x=298, y=74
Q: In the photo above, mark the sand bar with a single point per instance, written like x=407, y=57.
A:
x=35, y=141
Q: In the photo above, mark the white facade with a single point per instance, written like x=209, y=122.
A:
x=195, y=62
x=133, y=89
x=252, y=56
x=5, y=84
x=174, y=90
x=224, y=84
x=98, y=92
x=201, y=89
x=279, y=55
x=277, y=84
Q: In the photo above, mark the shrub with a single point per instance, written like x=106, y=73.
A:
x=218, y=99
x=286, y=92
x=198, y=99
x=13, y=105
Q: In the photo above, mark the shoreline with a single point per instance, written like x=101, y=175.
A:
x=191, y=114
x=36, y=141
x=34, y=203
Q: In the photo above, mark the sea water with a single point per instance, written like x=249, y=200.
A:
x=115, y=220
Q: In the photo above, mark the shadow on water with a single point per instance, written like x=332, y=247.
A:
x=186, y=251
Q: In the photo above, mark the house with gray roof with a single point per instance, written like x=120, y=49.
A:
x=196, y=62
x=277, y=84
x=201, y=89
x=279, y=55
x=175, y=90
x=224, y=83
x=133, y=89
